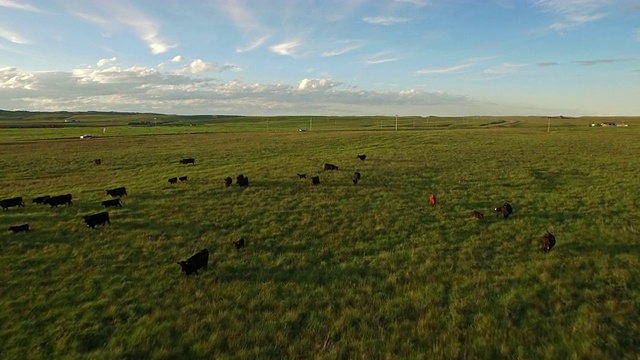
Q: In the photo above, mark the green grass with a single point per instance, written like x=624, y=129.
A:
x=335, y=271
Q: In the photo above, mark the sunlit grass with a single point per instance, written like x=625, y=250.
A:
x=332, y=271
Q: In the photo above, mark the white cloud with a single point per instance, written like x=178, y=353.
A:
x=506, y=68
x=384, y=20
x=177, y=58
x=12, y=36
x=285, y=48
x=446, y=70
x=254, y=44
x=414, y=2
x=146, y=89
x=573, y=13
x=199, y=66
x=342, y=50
x=146, y=28
x=317, y=84
x=379, y=58
x=10, y=4
x=103, y=62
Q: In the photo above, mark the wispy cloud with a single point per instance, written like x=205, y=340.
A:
x=506, y=68
x=177, y=58
x=601, y=61
x=146, y=28
x=446, y=70
x=12, y=36
x=414, y=2
x=90, y=18
x=381, y=57
x=547, y=63
x=254, y=44
x=10, y=4
x=351, y=45
x=103, y=62
x=285, y=48
x=637, y=34
x=384, y=20
x=574, y=13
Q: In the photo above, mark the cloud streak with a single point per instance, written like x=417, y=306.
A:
x=573, y=13
x=601, y=61
x=445, y=70
x=285, y=48
x=12, y=36
x=9, y=4
x=384, y=20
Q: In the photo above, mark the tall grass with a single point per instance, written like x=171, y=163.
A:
x=331, y=271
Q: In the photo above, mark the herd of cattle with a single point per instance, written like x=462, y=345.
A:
x=200, y=260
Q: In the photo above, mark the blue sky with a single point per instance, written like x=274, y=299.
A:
x=322, y=57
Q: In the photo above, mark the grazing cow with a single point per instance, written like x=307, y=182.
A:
x=182, y=178
x=328, y=166
x=432, y=200
x=228, y=181
x=100, y=218
x=196, y=262
x=548, y=242
x=7, y=203
x=97, y=161
x=239, y=244
x=242, y=180
x=19, y=228
x=117, y=192
x=188, y=161
x=362, y=157
x=315, y=180
x=505, y=210
x=356, y=178
x=112, y=202
x=173, y=180
x=59, y=200
x=40, y=199
x=477, y=214
x=302, y=176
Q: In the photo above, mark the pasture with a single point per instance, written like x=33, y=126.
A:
x=333, y=271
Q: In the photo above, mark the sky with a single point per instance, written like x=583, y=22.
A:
x=322, y=57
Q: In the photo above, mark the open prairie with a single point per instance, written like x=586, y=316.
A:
x=333, y=271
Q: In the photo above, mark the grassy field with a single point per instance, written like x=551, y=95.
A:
x=335, y=271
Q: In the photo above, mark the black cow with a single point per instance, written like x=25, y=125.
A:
x=242, y=180
x=196, y=262
x=19, y=228
x=328, y=166
x=239, y=244
x=112, y=202
x=315, y=180
x=228, y=181
x=100, y=218
x=302, y=176
x=173, y=180
x=356, y=177
x=117, y=192
x=40, y=199
x=477, y=214
x=7, y=203
x=548, y=242
x=505, y=210
x=362, y=157
x=182, y=178
x=97, y=161
x=59, y=200
x=188, y=161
